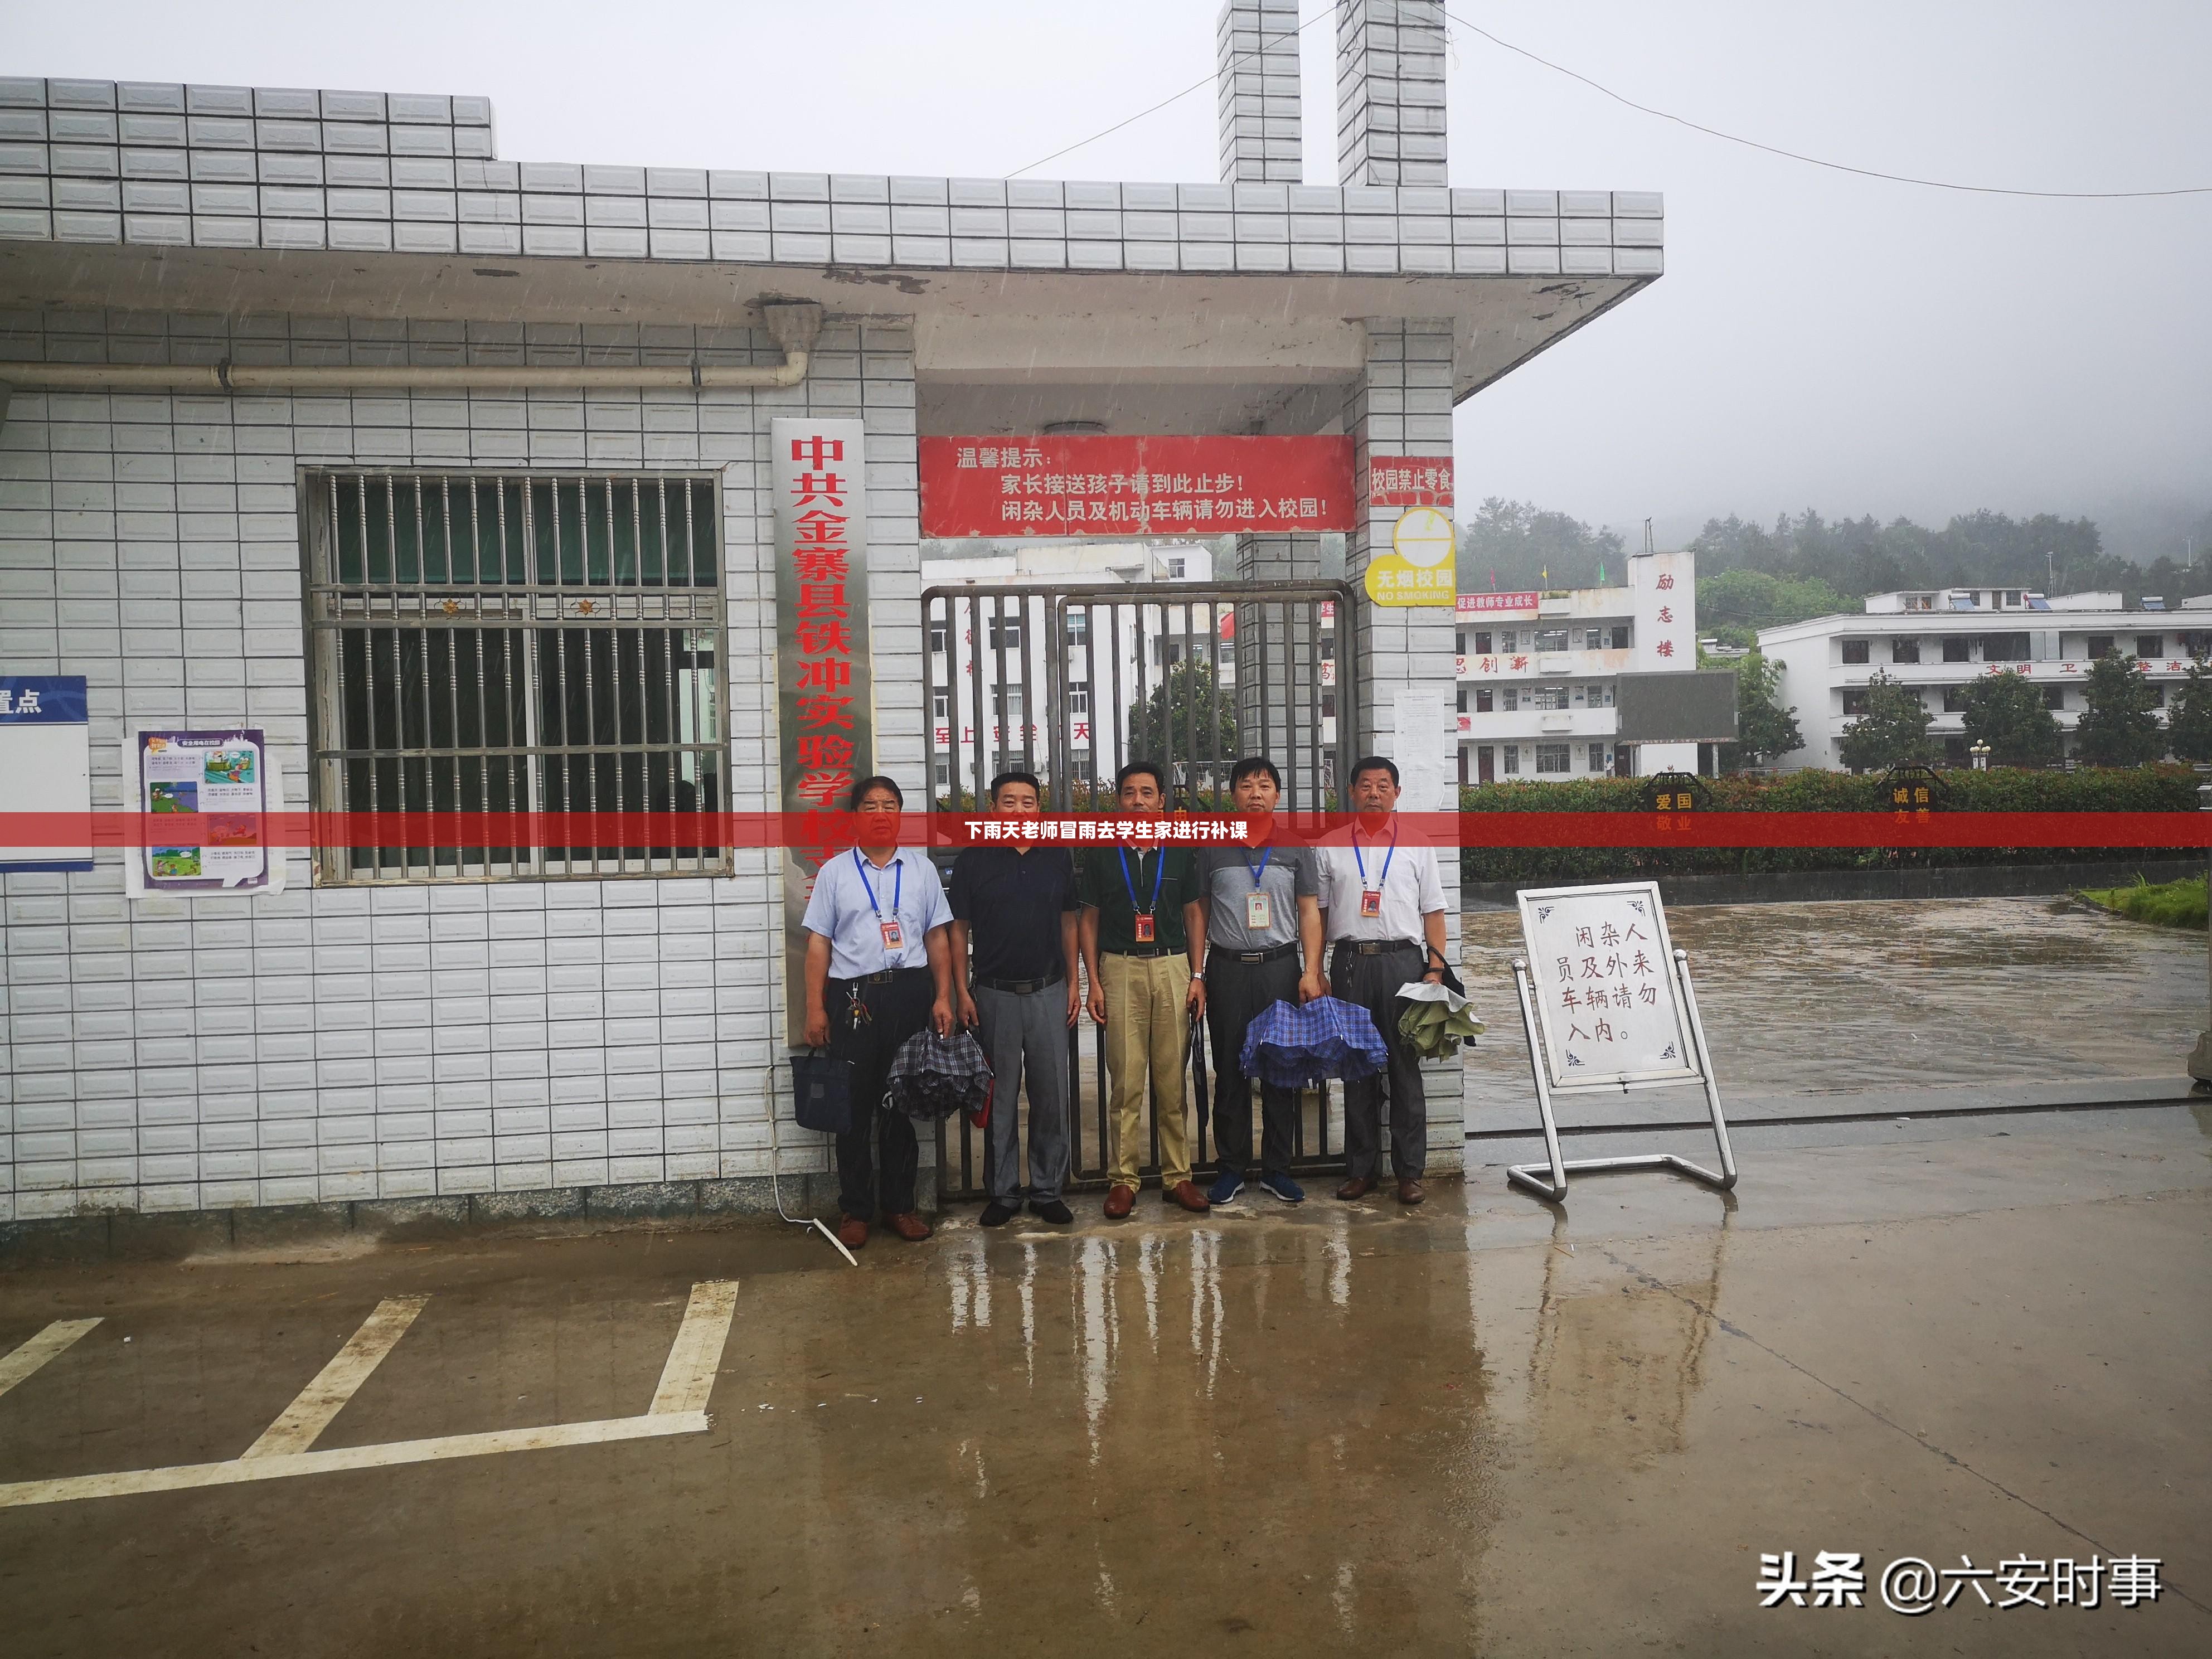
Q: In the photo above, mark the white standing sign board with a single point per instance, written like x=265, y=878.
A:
x=1607, y=1004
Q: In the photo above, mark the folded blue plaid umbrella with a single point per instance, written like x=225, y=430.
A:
x=1296, y=1046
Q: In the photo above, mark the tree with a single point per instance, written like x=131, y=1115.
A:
x=2009, y=714
x=1186, y=707
x=2189, y=714
x=1519, y=545
x=1892, y=729
x=2118, y=728
x=1764, y=730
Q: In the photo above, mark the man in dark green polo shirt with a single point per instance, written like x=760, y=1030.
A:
x=1142, y=933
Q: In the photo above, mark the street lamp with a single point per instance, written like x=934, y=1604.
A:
x=1980, y=751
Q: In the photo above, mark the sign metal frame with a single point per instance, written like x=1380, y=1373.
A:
x=1548, y=1179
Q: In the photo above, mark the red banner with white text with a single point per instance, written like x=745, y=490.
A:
x=1134, y=486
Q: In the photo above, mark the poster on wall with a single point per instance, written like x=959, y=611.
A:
x=1421, y=567
x=825, y=698
x=46, y=757
x=215, y=784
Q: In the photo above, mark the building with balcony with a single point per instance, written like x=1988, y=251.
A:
x=1538, y=674
x=1938, y=640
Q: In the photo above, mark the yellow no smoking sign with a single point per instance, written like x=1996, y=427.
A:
x=1420, y=568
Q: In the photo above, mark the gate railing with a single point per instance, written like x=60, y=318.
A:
x=1072, y=683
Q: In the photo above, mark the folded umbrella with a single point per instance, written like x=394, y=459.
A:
x=1434, y=1019
x=1296, y=1046
x=933, y=1077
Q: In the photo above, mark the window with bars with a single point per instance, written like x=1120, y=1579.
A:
x=487, y=645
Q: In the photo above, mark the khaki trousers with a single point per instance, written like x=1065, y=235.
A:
x=1147, y=1030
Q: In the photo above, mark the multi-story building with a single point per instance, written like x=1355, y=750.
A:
x=1938, y=640
x=1539, y=673
x=1005, y=670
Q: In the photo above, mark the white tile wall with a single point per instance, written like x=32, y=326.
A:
x=163, y=165
x=343, y=1042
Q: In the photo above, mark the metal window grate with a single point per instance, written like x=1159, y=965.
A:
x=488, y=643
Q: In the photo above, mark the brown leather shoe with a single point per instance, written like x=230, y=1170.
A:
x=1358, y=1187
x=908, y=1226
x=852, y=1232
x=1186, y=1193
x=1120, y=1202
x=1409, y=1190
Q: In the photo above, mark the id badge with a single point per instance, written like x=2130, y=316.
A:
x=894, y=935
x=1144, y=929
x=1259, y=914
x=1370, y=904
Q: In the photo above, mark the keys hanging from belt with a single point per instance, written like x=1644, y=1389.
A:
x=857, y=1010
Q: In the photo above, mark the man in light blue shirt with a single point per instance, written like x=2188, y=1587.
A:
x=878, y=969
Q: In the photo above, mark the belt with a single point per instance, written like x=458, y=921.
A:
x=1253, y=956
x=1022, y=988
x=883, y=978
x=1148, y=951
x=1375, y=947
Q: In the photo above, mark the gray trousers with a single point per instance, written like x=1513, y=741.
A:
x=1026, y=1039
x=1372, y=983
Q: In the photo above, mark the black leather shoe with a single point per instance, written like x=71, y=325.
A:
x=997, y=1214
x=1052, y=1210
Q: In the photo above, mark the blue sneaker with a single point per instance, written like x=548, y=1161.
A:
x=1225, y=1189
x=1284, y=1188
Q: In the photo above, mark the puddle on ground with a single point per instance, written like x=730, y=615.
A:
x=1902, y=993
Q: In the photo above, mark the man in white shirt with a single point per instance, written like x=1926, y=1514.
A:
x=878, y=969
x=1382, y=905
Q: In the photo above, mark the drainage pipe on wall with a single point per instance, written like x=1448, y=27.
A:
x=793, y=324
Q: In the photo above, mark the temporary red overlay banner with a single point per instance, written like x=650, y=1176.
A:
x=1117, y=486
x=617, y=832
x=1409, y=481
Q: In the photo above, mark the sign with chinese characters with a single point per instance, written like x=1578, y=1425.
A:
x=45, y=758
x=826, y=700
x=1148, y=486
x=1488, y=604
x=1602, y=971
x=1420, y=568
x=1409, y=481
x=215, y=785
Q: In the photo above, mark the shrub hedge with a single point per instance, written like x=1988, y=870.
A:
x=2166, y=788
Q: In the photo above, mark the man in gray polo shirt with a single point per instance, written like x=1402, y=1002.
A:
x=1263, y=944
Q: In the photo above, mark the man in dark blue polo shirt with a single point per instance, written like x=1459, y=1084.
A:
x=1013, y=907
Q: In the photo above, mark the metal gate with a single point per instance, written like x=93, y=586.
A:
x=1073, y=683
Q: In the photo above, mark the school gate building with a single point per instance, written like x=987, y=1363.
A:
x=346, y=461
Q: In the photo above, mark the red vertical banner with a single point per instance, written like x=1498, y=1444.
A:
x=825, y=705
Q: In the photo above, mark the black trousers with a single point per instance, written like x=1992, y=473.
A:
x=1372, y=983
x=1235, y=993
x=897, y=1008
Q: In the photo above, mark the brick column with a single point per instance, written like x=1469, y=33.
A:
x=1401, y=405
x=1390, y=92
x=1257, y=41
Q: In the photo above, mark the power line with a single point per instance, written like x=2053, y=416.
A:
x=1658, y=114
x=1814, y=160
x=1265, y=40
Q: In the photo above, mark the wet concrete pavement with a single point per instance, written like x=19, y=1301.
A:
x=1484, y=1426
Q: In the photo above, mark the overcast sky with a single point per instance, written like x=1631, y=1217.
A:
x=1817, y=340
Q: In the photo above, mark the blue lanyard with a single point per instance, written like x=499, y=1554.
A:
x=898, y=883
x=1265, y=854
x=1381, y=879
x=1160, y=871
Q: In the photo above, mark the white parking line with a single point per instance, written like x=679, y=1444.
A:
x=26, y=1359
x=689, y=1377
x=678, y=1407
x=309, y=1414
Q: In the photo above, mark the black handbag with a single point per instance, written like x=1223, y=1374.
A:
x=821, y=1092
